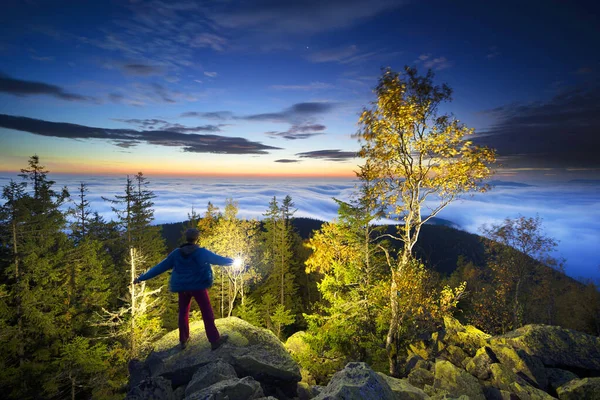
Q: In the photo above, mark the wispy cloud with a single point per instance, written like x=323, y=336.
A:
x=329, y=155
x=287, y=161
x=303, y=131
x=142, y=69
x=299, y=112
x=210, y=40
x=436, y=63
x=304, y=17
x=217, y=115
x=18, y=87
x=301, y=117
x=192, y=142
x=140, y=93
x=210, y=74
x=493, y=53
x=42, y=58
x=307, y=87
x=162, y=125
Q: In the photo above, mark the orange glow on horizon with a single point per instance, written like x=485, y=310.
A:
x=345, y=171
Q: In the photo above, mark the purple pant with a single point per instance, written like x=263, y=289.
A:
x=185, y=300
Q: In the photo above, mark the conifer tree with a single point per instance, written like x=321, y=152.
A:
x=277, y=258
x=145, y=248
x=34, y=277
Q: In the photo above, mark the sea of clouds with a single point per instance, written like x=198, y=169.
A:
x=570, y=211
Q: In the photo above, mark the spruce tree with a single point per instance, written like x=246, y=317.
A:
x=278, y=259
x=34, y=276
x=144, y=248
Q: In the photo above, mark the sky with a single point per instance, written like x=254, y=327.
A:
x=269, y=87
x=250, y=99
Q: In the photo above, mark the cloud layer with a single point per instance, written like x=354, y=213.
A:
x=192, y=142
x=570, y=211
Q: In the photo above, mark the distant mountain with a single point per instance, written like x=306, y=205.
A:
x=443, y=222
x=440, y=242
x=509, y=184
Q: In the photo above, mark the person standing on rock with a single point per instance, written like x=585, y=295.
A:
x=192, y=276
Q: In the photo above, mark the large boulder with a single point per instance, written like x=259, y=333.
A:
x=208, y=375
x=503, y=378
x=356, y=382
x=419, y=377
x=528, y=367
x=240, y=389
x=558, y=377
x=588, y=389
x=467, y=337
x=456, y=381
x=250, y=350
x=555, y=347
x=157, y=388
x=479, y=365
x=403, y=389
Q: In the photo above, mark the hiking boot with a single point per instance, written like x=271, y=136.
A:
x=218, y=343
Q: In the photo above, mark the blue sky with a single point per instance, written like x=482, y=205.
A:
x=272, y=87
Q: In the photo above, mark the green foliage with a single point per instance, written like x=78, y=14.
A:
x=281, y=318
x=249, y=312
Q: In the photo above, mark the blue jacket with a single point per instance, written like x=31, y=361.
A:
x=191, y=268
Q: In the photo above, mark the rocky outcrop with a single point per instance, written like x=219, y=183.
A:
x=588, y=388
x=533, y=362
x=536, y=362
x=555, y=347
x=251, y=364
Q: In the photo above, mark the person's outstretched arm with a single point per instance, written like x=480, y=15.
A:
x=216, y=259
x=158, y=269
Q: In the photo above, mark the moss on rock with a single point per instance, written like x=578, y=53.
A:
x=555, y=346
x=456, y=381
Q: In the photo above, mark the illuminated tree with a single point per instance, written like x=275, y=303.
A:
x=420, y=159
x=144, y=248
x=236, y=238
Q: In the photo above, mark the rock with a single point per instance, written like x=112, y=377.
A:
x=179, y=393
x=152, y=389
x=356, y=382
x=555, y=347
x=420, y=348
x=137, y=372
x=305, y=391
x=558, y=377
x=492, y=393
x=455, y=355
x=411, y=362
x=479, y=366
x=587, y=388
x=252, y=351
x=210, y=374
x=240, y=389
x=419, y=377
x=456, y=381
x=403, y=389
x=529, y=367
x=503, y=378
x=467, y=337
